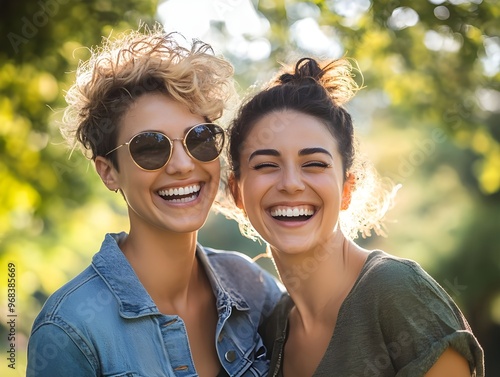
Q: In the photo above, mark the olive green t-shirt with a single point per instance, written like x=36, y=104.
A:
x=396, y=321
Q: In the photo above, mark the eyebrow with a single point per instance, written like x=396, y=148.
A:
x=307, y=151
x=274, y=152
x=264, y=152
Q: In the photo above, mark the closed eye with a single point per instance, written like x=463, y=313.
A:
x=316, y=164
x=264, y=165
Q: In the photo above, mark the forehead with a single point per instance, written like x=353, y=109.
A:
x=289, y=129
x=158, y=112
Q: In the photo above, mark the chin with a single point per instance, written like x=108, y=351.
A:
x=293, y=245
x=290, y=248
x=188, y=226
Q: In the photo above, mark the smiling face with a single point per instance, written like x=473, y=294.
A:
x=175, y=198
x=291, y=184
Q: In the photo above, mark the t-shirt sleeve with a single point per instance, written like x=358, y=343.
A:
x=420, y=321
x=53, y=353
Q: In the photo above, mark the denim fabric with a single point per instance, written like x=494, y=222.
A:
x=104, y=323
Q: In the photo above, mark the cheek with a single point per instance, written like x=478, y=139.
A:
x=252, y=188
x=216, y=173
x=133, y=177
x=212, y=168
x=248, y=203
x=246, y=197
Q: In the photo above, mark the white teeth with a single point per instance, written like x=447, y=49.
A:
x=180, y=191
x=184, y=200
x=292, y=212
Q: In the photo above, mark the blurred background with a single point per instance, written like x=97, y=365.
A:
x=429, y=118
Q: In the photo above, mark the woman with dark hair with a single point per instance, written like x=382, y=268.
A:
x=297, y=177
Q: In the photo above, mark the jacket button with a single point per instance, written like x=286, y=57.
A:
x=230, y=356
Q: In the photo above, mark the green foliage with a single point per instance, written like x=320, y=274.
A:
x=48, y=200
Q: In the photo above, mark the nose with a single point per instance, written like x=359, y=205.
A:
x=290, y=181
x=180, y=162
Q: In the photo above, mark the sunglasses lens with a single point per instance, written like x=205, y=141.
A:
x=150, y=150
x=205, y=142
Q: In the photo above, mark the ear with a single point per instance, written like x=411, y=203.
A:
x=349, y=187
x=235, y=191
x=107, y=172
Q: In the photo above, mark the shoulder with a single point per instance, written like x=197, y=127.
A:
x=73, y=301
x=396, y=275
x=380, y=263
x=403, y=284
x=415, y=313
x=62, y=326
x=54, y=352
x=402, y=292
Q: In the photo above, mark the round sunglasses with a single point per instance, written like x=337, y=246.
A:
x=151, y=150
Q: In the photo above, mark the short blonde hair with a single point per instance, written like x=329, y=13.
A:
x=138, y=62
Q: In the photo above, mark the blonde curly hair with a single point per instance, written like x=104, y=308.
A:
x=319, y=89
x=134, y=63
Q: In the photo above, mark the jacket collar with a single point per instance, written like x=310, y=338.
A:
x=221, y=284
x=112, y=266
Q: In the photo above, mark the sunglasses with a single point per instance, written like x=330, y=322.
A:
x=151, y=150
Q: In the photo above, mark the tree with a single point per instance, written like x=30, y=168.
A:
x=42, y=220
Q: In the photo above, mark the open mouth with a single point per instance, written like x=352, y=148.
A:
x=300, y=213
x=180, y=194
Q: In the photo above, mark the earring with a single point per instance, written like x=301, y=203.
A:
x=116, y=190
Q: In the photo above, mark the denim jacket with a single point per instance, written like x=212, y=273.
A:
x=104, y=323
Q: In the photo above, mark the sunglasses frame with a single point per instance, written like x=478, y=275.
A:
x=171, y=142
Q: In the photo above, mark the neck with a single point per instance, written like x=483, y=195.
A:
x=319, y=280
x=165, y=263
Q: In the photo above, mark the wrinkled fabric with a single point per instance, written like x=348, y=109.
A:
x=395, y=322
x=104, y=323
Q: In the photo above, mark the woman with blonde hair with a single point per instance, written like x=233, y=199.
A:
x=154, y=302
x=351, y=312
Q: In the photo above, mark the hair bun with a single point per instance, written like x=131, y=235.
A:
x=335, y=77
x=286, y=78
x=306, y=69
